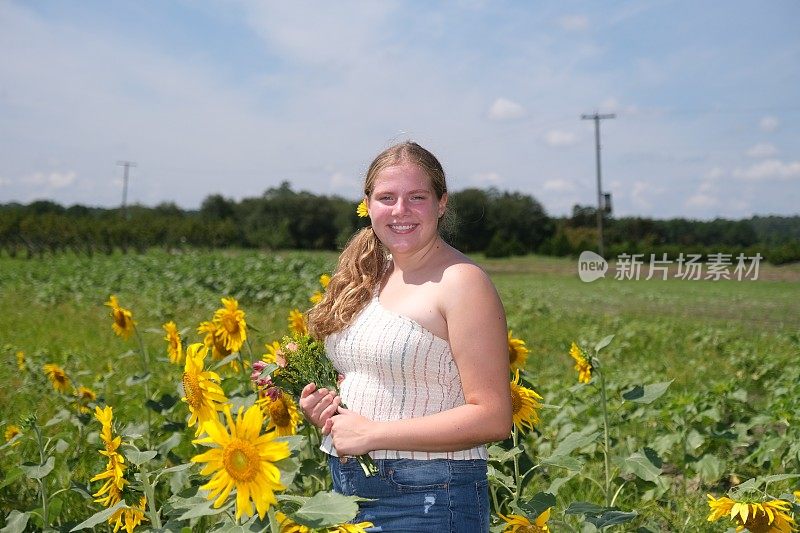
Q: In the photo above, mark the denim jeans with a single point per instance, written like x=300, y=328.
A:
x=417, y=496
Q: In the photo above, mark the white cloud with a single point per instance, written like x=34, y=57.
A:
x=4, y=181
x=504, y=109
x=53, y=180
x=559, y=185
x=770, y=169
x=640, y=192
x=574, y=22
x=762, y=150
x=559, y=138
x=704, y=197
x=487, y=179
x=769, y=124
x=714, y=173
x=342, y=183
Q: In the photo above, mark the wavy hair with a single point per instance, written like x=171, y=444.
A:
x=364, y=259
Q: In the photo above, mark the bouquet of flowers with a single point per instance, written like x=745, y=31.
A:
x=301, y=360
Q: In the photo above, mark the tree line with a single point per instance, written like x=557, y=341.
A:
x=496, y=223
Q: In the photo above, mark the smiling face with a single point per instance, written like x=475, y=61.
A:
x=404, y=208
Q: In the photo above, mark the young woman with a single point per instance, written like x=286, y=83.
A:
x=419, y=334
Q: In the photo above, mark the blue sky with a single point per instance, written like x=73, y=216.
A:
x=233, y=97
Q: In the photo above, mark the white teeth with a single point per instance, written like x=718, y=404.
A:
x=402, y=228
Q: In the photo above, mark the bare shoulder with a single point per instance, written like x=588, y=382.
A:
x=464, y=282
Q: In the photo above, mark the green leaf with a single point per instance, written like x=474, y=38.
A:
x=501, y=455
x=612, y=517
x=16, y=522
x=204, y=509
x=603, y=343
x=584, y=508
x=232, y=357
x=296, y=442
x=100, y=516
x=540, y=502
x=137, y=457
x=327, y=509
x=36, y=471
x=558, y=482
x=60, y=416
x=573, y=441
x=648, y=393
x=10, y=477
x=694, y=440
x=562, y=461
x=710, y=467
x=640, y=465
x=61, y=446
x=171, y=442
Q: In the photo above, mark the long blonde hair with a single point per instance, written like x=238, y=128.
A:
x=364, y=259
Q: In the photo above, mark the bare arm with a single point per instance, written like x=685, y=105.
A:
x=478, y=338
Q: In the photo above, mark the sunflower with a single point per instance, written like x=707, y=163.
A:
x=130, y=517
x=21, y=361
x=757, y=517
x=123, y=319
x=520, y=524
x=213, y=339
x=282, y=412
x=83, y=396
x=174, y=345
x=524, y=404
x=11, y=432
x=272, y=350
x=201, y=388
x=297, y=322
x=231, y=327
x=324, y=280
x=582, y=364
x=362, y=210
x=57, y=377
x=242, y=458
x=290, y=526
x=111, y=491
x=517, y=352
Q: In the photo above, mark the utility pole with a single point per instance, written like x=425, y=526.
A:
x=127, y=165
x=600, y=207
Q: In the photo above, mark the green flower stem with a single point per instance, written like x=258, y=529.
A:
x=274, y=527
x=42, y=484
x=603, y=402
x=150, y=493
x=517, y=488
x=146, y=371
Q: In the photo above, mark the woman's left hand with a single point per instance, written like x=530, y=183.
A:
x=351, y=432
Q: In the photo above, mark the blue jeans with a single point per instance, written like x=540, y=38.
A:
x=417, y=496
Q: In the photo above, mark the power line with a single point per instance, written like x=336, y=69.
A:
x=600, y=208
x=127, y=165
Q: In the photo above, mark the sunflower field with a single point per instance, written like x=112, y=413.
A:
x=137, y=395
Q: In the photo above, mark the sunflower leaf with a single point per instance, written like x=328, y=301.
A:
x=612, y=517
x=204, y=509
x=563, y=461
x=16, y=522
x=100, y=516
x=232, y=357
x=586, y=508
x=648, y=393
x=640, y=465
x=603, y=343
x=137, y=457
x=540, y=502
x=573, y=441
x=37, y=471
x=327, y=509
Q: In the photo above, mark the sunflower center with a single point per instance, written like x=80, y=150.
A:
x=758, y=523
x=191, y=387
x=279, y=413
x=119, y=318
x=241, y=460
x=230, y=324
x=516, y=401
x=512, y=355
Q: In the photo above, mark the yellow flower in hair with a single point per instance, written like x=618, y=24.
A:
x=362, y=209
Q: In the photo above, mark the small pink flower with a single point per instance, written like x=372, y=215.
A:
x=280, y=359
x=291, y=346
x=264, y=382
x=274, y=393
x=259, y=366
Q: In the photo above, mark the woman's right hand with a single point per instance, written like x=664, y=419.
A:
x=319, y=405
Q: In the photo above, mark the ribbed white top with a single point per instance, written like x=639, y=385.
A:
x=396, y=369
